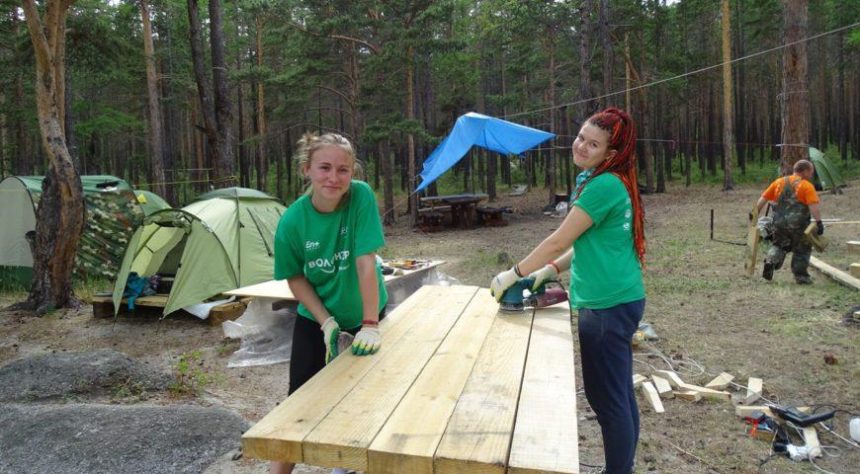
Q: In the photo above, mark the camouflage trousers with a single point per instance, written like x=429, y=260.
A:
x=790, y=240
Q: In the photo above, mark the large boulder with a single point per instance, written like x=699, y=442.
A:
x=74, y=438
x=62, y=374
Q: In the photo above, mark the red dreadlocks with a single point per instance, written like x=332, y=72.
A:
x=622, y=138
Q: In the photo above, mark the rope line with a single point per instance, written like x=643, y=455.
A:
x=691, y=73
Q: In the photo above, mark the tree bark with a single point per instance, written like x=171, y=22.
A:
x=204, y=92
x=225, y=165
x=728, y=122
x=60, y=215
x=410, y=138
x=606, y=43
x=795, y=93
x=261, y=108
x=156, y=140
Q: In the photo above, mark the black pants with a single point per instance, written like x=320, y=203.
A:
x=605, y=337
x=307, y=356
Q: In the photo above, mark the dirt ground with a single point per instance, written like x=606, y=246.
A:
x=709, y=318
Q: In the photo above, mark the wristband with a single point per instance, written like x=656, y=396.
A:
x=557, y=270
x=369, y=322
x=517, y=270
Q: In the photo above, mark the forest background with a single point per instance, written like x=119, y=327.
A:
x=393, y=76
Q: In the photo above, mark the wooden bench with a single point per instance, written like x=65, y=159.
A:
x=491, y=216
x=433, y=219
x=457, y=387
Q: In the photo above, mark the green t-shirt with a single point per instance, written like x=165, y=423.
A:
x=324, y=246
x=605, y=271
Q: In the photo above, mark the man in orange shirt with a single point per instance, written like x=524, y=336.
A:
x=793, y=199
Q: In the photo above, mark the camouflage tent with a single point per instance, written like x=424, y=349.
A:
x=113, y=214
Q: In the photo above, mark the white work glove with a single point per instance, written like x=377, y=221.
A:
x=545, y=274
x=331, y=331
x=502, y=282
x=367, y=341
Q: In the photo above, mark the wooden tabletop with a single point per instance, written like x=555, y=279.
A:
x=458, y=387
x=280, y=290
x=455, y=198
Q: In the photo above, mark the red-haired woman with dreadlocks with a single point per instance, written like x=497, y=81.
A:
x=602, y=242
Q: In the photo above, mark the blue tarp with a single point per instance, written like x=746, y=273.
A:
x=487, y=132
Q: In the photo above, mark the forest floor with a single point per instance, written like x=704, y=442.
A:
x=709, y=318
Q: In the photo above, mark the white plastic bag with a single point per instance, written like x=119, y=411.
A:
x=267, y=335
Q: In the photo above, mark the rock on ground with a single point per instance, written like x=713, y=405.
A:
x=116, y=439
x=73, y=373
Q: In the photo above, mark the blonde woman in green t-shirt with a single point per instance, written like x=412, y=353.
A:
x=325, y=248
x=602, y=242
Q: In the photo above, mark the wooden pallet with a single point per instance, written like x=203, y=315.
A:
x=103, y=307
x=103, y=304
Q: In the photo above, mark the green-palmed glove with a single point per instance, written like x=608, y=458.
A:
x=330, y=330
x=367, y=341
x=545, y=274
x=502, y=282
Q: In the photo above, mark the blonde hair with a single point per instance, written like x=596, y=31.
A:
x=311, y=142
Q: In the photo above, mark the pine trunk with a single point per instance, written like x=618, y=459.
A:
x=60, y=215
x=795, y=93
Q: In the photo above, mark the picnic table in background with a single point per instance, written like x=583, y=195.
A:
x=457, y=387
x=461, y=207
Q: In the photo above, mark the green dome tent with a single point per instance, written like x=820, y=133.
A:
x=150, y=202
x=112, y=215
x=208, y=247
x=826, y=174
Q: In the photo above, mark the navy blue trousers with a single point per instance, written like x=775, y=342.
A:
x=607, y=373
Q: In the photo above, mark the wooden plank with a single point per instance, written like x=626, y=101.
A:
x=754, y=387
x=409, y=439
x=664, y=389
x=720, y=382
x=638, y=379
x=818, y=242
x=744, y=411
x=854, y=270
x=813, y=446
x=688, y=395
x=478, y=434
x=753, y=238
x=545, y=434
x=279, y=435
x=226, y=312
x=280, y=290
x=652, y=396
x=274, y=289
x=342, y=438
x=835, y=273
x=707, y=392
x=853, y=246
x=671, y=376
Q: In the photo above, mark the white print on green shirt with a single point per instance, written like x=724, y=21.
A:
x=327, y=265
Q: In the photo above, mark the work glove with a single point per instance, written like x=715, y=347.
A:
x=545, y=274
x=331, y=331
x=367, y=341
x=820, y=226
x=502, y=282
